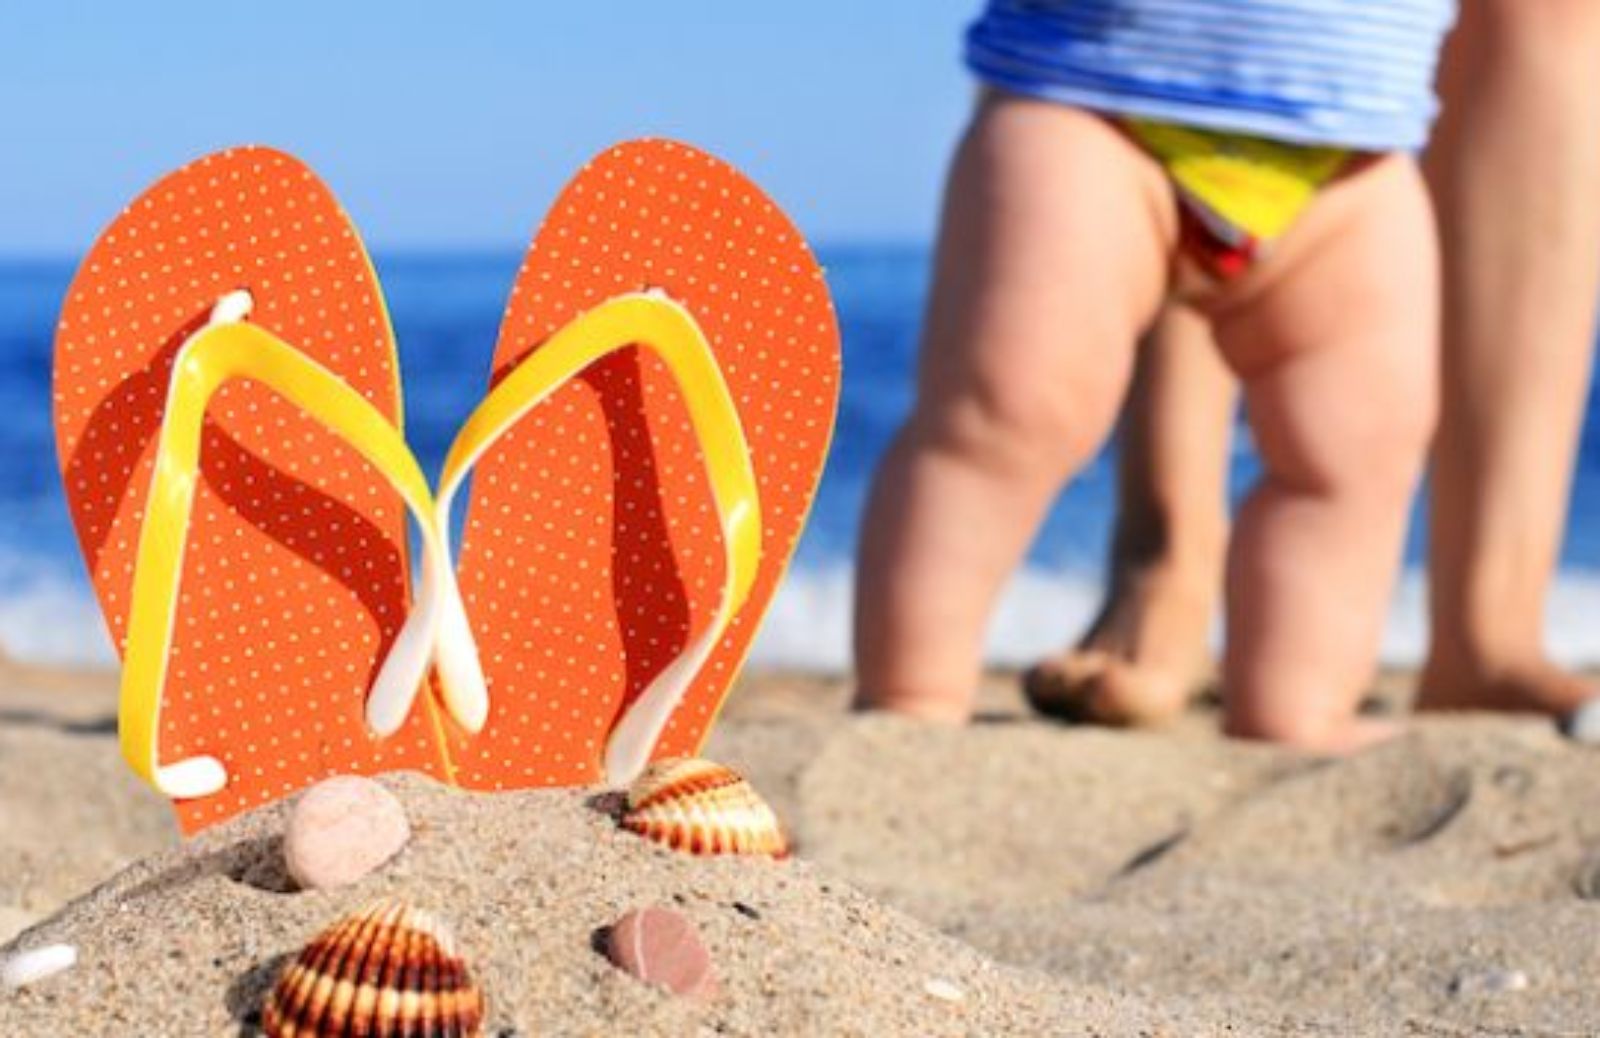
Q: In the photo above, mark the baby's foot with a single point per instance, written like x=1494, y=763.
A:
x=917, y=708
x=1533, y=686
x=1336, y=740
x=1141, y=661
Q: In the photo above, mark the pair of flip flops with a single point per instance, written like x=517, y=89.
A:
x=229, y=424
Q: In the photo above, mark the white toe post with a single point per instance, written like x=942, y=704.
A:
x=232, y=307
x=191, y=778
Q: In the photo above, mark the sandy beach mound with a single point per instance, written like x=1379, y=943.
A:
x=71, y=813
x=1066, y=880
x=187, y=941
x=1443, y=883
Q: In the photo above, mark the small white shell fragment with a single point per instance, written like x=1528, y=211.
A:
x=943, y=990
x=27, y=967
x=1583, y=724
x=1489, y=982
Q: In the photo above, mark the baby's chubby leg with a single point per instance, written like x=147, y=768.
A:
x=1052, y=258
x=1335, y=340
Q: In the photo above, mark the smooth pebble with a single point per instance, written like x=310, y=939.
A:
x=340, y=830
x=943, y=990
x=661, y=947
x=28, y=967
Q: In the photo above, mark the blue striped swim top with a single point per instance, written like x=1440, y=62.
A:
x=1352, y=73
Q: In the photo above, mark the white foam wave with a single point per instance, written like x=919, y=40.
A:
x=49, y=618
x=809, y=625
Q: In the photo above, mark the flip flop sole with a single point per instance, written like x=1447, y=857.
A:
x=591, y=552
x=294, y=581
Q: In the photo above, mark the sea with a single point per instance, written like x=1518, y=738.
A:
x=446, y=309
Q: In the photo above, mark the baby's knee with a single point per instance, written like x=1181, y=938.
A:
x=1024, y=429
x=1389, y=453
x=1371, y=452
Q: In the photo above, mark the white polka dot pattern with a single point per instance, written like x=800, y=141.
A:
x=591, y=550
x=295, y=578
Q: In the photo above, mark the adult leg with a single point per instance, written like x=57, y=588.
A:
x=1052, y=259
x=1148, y=649
x=1336, y=347
x=1514, y=169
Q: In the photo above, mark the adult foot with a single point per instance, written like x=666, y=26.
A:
x=1141, y=661
x=1534, y=685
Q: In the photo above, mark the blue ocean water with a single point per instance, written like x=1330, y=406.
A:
x=446, y=311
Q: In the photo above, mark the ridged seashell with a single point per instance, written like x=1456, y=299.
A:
x=701, y=807
x=386, y=971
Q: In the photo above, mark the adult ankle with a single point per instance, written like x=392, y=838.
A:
x=1157, y=542
x=1522, y=680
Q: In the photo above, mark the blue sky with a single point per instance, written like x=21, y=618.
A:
x=456, y=129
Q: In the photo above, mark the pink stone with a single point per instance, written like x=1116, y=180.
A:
x=661, y=947
x=340, y=830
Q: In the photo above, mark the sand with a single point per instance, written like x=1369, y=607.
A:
x=71, y=813
x=1066, y=880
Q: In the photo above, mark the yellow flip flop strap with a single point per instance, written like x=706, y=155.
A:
x=214, y=356
x=653, y=322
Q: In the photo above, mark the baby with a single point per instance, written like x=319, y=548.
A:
x=1254, y=159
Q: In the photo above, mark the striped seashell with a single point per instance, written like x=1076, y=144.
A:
x=702, y=807
x=386, y=971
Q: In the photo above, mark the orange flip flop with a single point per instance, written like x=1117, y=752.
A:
x=227, y=410
x=633, y=508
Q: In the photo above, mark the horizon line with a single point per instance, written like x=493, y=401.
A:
x=469, y=251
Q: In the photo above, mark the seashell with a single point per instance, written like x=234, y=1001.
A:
x=701, y=807
x=386, y=971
